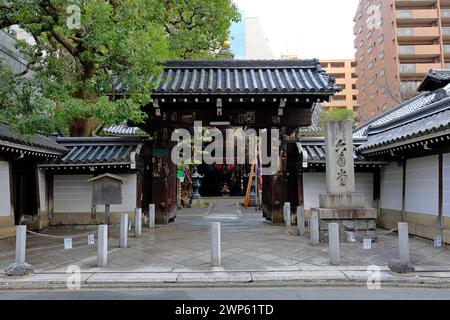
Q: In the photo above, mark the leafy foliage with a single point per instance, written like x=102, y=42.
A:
x=77, y=71
x=336, y=114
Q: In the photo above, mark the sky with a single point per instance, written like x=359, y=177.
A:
x=320, y=29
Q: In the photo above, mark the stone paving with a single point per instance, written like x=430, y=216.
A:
x=249, y=243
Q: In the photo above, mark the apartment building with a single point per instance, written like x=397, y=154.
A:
x=345, y=73
x=397, y=43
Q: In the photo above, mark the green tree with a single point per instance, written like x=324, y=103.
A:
x=86, y=49
x=336, y=114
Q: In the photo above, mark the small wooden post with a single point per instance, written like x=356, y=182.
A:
x=107, y=213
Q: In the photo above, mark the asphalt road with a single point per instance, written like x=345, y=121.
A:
x=234, y=294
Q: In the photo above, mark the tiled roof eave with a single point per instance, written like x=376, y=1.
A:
x=29, y=149
x=431, y=109
x=86, y=165
x=410, y=139
x=243, y=93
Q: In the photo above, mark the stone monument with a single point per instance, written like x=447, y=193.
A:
x=341, y=204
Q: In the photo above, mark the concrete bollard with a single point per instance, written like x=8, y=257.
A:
x=287, y=214
x=151, y=216
x=314, y=228
x=403, y=241
x=216, y=255
x=301, y=220
x=137, y=222
x=333, y=238
x=21, y=244
x=102, y=246
x=124, y=230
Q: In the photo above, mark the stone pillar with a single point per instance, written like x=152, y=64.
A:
x=137, y=222
x=151, y=216
x=314, y=228
x=403, y=241
x=102, y=246
x=287, y=214
x=124, y=230
x=21, y=244
x=339, y=157
x=301, y=220
x=333, y=229
x=216, y=255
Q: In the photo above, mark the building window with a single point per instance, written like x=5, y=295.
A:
x=381, y=55
x=382, y=72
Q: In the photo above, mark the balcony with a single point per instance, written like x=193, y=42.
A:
x=425, y=33
x=419, y=51
x=416, y=16
x=412, y=3
x=417, y=69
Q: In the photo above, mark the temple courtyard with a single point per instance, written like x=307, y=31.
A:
x=253, y=250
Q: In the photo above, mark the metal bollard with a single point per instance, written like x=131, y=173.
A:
x=301, y=220
x=287, y=214
x=137, y=222
x=333, y=239
x=21, y=244
x=151, y=216
x=314, y=226
x=403, y=241
x=216, y=255
x=124, y=230
x=102, y=246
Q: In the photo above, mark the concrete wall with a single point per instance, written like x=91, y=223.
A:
x=73, y=194
x=314, y=184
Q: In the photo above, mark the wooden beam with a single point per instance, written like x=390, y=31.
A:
x=441, y=191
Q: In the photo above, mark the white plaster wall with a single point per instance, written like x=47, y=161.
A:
x=364, y=185
x=5, y=193
x=72, y=193
x=422, y=185
x=446, y=173
x=391, y=187
x=42, y=188
x=315, y=184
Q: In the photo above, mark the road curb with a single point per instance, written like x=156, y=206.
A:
x=50, y=281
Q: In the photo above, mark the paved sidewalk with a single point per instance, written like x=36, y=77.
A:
x=252, y=249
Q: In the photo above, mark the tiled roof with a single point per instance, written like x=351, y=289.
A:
x=417, y=103
x=124, y=130
x=97, y=151
x=315, y=150
x=434, y=119
x=245, y=77
x=434, y=80
x=39, y=143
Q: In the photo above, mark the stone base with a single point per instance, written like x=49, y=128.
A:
x=198, y=204
x=18, y=270
x=338, y=201
x=7, y=232
x=363, y=222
